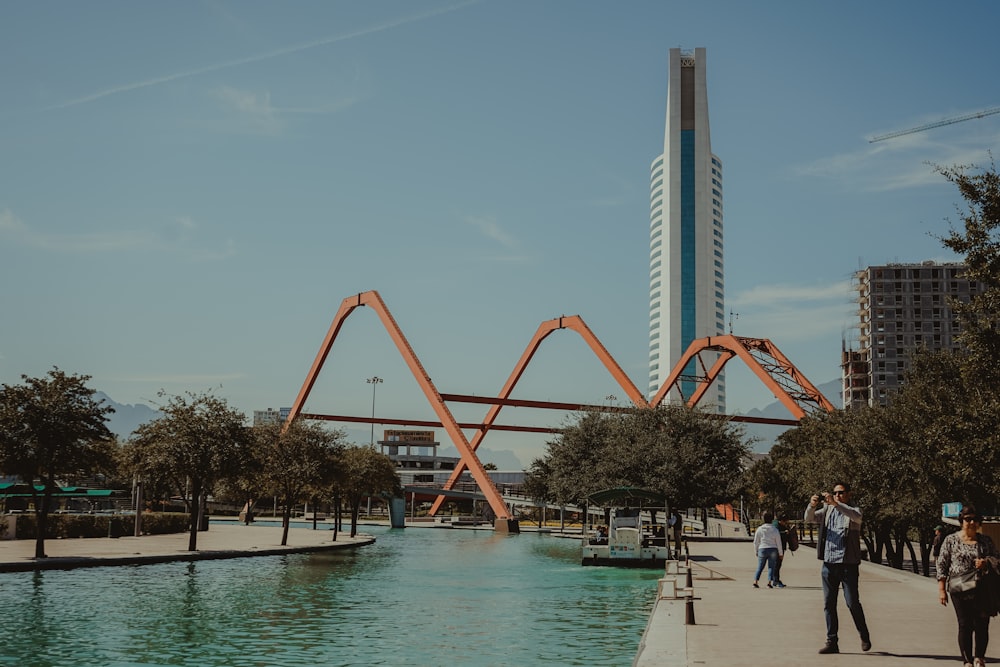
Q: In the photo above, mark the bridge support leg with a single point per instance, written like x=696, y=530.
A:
x=397, y=512
x=506, y=526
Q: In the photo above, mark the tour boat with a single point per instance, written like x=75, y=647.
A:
x=636, y=535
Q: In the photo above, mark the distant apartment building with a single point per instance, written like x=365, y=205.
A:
x=686, y=271
x=901, y=308
x=270, y=416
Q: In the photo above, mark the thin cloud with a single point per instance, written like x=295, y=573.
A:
x=489, y=228
x=907, y=161
x=10, y=223
x=175, y=236
x=276, y=53
x=255, y=113
x=777, y=295
x=799, y=312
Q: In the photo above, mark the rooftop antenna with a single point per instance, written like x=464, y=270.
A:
x=732, y=316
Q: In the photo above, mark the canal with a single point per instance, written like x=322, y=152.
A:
x=420, y=596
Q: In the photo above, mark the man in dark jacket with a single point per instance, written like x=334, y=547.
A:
x=839, y=547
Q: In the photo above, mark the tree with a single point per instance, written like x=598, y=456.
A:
x=979, y=241
x=365, y=472
x=691, y=456
x=197, y=442
x=297, y=463
x=51, y=427
x=572, y=459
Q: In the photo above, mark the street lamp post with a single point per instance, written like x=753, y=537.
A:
x=373, y=381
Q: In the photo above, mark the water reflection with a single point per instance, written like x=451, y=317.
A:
x=416, y=597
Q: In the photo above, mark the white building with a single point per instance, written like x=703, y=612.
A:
x=686, y=270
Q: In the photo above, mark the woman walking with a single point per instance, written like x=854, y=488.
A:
x=962, y=553
x=767, y=546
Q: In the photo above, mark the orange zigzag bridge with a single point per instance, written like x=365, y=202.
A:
x=777, y=373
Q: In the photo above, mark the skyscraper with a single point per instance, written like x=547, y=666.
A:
x=686, y=271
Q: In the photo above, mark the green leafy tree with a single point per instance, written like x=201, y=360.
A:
x=50, y=428
x=689, y=455
x=572, y=458
x=536, y=481
x=297, y=462
x=978, y=240
x=198, y=442
x=364, y=473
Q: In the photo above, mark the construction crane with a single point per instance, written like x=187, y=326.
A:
x=929, y=126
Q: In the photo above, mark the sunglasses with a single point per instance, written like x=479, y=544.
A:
x=970, y=519
x=840, y=493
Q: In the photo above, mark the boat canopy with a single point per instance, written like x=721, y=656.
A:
x=623, y=494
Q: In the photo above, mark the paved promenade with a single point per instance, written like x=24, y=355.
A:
x=222, y=540
x=737, y=624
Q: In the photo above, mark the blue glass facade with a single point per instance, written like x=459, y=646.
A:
x=688, y=258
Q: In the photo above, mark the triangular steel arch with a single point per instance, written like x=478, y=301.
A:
x=573, y=323
x=468, y=457
x=761, y=356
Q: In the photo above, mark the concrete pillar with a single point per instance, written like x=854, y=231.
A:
x=506, y=526
x=397, y=512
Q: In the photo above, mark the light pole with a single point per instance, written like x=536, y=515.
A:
x=373, y=381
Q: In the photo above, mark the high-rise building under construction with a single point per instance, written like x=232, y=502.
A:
x=686, y=267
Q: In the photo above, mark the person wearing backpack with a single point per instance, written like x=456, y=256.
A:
x=789, y=542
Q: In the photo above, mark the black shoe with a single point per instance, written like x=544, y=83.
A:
x=866, y=645
x=831, y=647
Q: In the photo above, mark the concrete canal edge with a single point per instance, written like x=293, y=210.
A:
x=219, y=543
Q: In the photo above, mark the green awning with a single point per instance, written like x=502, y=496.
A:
x=12, y=490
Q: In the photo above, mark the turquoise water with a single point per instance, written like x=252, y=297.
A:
x=419, y=596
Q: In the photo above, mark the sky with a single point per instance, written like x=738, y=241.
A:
x=189, y=190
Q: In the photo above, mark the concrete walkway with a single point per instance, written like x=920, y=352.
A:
x=737, y=624
x=222, y=540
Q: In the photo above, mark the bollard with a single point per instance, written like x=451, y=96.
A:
x=690, y=582
x=689, y=609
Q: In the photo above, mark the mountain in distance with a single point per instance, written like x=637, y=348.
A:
x=126, y=418
x=504, y=459
x=766, y=434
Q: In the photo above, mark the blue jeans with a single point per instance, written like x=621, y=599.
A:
x=836, y=576
x=767, y=555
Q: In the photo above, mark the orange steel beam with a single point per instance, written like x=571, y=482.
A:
x=523, y=429
x=574, y=323
x=425, y=423
x=761, y=356
x=521, y=403
x=468, y=456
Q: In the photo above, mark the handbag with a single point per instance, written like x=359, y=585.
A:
x=964, y=582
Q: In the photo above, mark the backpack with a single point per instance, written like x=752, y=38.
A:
x=793, y=538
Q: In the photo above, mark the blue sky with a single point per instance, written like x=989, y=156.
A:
x=189, y=190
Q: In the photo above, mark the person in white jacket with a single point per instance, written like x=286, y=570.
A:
x=767, y=546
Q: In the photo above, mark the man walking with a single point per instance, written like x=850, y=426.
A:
x=839, y=547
